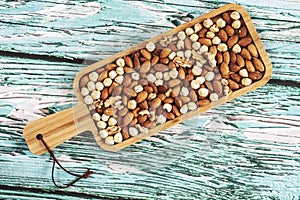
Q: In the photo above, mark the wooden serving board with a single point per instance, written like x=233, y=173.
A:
x=60, y=127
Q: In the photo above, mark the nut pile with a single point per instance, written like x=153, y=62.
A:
x=171, y=77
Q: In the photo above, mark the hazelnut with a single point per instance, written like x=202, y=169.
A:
x=203, y=92
x=236, y=48
x=203, y=49
x=120, y=70
x=184, y=109
x=236, y=24
x=112, y=74
x=131, y=104
x=96, y=117
x=118, y=137
x=189, y=31
x=103, y=133
x=216, y=40
x=246, y=81
x=112, y=121
x=84, y=91
x=192, y=106
x=243, y=73
x=133, y=131
x=93, y=76
x=235, y=15
x=161, y=119
x=91, y=85
x=208, y=23
x=88, y=100
x=95, y=94
x=99, y=86
x=221, y=23
x=194, y=37
x=150, y=46
x=101, y=124
x=109, y=140
x=213, y=97
x=107, y=82
x=196, y=45
x=195, y=84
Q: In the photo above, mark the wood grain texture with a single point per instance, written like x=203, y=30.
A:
x=247, y=148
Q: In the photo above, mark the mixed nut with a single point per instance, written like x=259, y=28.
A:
x=168, y=78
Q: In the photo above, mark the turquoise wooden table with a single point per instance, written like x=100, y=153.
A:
x=248, y=148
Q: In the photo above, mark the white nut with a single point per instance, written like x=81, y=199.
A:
x=109, y=140
x=197, y=70
x=180, y=54
x=84, y=91
x=96, y=94
x=192, y=106
x=184, y=109
x=216, y=40
x=166, y=76
x=180, y=44
x=195, y=84
x=88, y=100
x=194, y=37
x=104, y=117
x=213, y=97
x=151, y=78
x=152, y=96
x=107, y=82
x=103, y=133
x=208, y=23
x=196, y=45
x=158, y=82
x=246, y=81
x=188, y=54
x=236, y=48
x=167, y=107
x=91, y=85
x=96, y=117
x=209, y=76
x=118, y=137
x=197, y=27
x=235, y=15
x=200, y=79
x=236, y=24
x=214, y=28
x=119, y=79
x=222, y=47
x=112, y=74
x=243, y=73
x=150, y=46
x=172, y=55
x=203, y=49
x=131, y=104
x=120, y=62
x=99, y=86
x=184, y=91
x=112, y=121
x=224, y=81
x=159, y=75
x=138, y=88
x=120, y=70
x=203, y=92
x=221, y=23
x=173, y=73
x=181, y=35
x=189, y=31
x=135, y=76
x=93, y=76
x=161, y=119
x=210, y=35
x=144, y=112
x=101, y=124
x=133, y=131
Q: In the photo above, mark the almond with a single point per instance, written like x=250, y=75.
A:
x=226, y=57
x=209, y=85
x=127, y=119
x=213, y=50
x=223, y=35
x=169, y=100
x=129, y=92
x=174, y=82
x=176, y=91
x=136, y=61
x=181, y=73
x=169, y=115
x=128, y=61
x=164, y=61
x=154, y=60
x=232, y=57
x=193, y=95
x=165, y=53
x=145, y=66
x=235, y=77
x=125, y=133
x=83, y=81
x=155, y=103
x=229, y=30
x=233, y=85
x=161, y=67
x=232, y=40
x=203, y=102
x=142, y=118
x=255, y=76
x=258, y=65
x=205, y=41
x=218, y=87
x=226, y=18
x=202, y=32
x=103, y=76
x=245, y=41
x=172, y=65
x=175, y=111
x=123, y=112
x=111, y=66
x=252, y=50
x=234, y=67
x=146, y=54
x=242, y=32
x=249, y=66
x=245, y=53
x=149, y=124
x=240, y=60
x=219, y=58
x=187, y=43
x=141, y=96
x=144, y=105
x=224, y=68
x=104, y=94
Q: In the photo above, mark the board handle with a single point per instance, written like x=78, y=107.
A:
x=55, y=129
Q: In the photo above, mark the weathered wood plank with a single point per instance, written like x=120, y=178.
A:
x=245, y=149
